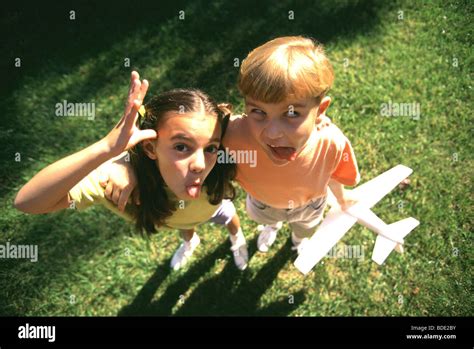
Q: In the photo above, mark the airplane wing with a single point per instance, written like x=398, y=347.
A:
x=334, y=226
x=374, y=190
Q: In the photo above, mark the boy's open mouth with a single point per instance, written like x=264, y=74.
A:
x=283, y=153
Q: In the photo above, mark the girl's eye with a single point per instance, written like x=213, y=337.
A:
x=181, y=148
x=212, y=149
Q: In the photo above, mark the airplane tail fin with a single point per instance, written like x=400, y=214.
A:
x=384, y=246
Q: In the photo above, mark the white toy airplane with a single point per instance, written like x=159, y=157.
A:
x=337, y=222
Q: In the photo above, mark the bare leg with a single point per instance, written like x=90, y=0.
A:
x=239, y=245
x=234, y=225
x=187, y=234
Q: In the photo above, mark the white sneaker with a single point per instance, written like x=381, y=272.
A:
x=298, y=243
x=239, y=250
x=268, y=234
x=184, y=252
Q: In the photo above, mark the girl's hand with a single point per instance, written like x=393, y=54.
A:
x=126, y=133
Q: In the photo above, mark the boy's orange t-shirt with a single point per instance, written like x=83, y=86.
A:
x=327, y=154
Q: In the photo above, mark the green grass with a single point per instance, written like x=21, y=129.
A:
x=92, y=263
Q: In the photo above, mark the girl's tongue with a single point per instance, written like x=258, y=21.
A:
x=193, y=190
x=284, y=153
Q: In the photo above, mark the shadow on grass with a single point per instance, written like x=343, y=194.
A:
x=61, y=238
x=229, y=293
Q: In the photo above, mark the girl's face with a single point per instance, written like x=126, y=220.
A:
x=185, y=151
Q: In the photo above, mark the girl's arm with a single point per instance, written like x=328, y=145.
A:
x=48, y=190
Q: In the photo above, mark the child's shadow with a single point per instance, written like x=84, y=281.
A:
x=230, y=292
x=143, y=304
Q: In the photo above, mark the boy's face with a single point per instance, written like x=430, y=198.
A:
x=282, y=129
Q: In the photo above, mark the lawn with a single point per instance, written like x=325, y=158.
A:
x=94, y=263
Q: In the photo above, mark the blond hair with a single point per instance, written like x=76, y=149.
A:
x=290, y=66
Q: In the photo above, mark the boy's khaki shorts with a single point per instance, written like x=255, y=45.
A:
x=302, y=220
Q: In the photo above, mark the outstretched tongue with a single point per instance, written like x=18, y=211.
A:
x=193, y=191
x=286, y=153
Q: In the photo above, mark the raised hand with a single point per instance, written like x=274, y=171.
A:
x=126, y=133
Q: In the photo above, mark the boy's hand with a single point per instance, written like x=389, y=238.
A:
x=120, y=183
x=126, y=133
x=322, y=121
x=347, y=200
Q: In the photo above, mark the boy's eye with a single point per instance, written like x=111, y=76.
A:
x=292, y=114
x=257, y=112
x=181, y=148
x=212, y=149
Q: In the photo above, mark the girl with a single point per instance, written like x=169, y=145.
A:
x=173, y=151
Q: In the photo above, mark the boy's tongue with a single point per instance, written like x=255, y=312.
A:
x=286, y=153
x=193, y=191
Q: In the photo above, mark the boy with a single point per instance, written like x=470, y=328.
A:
x=284, y=83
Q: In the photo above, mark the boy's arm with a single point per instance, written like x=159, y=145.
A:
x=120, y=183
x=345, y=198
x=345, y=171
x=48, y=190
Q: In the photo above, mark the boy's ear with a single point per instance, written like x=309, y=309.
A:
x=149, y=148
x=324, y=105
